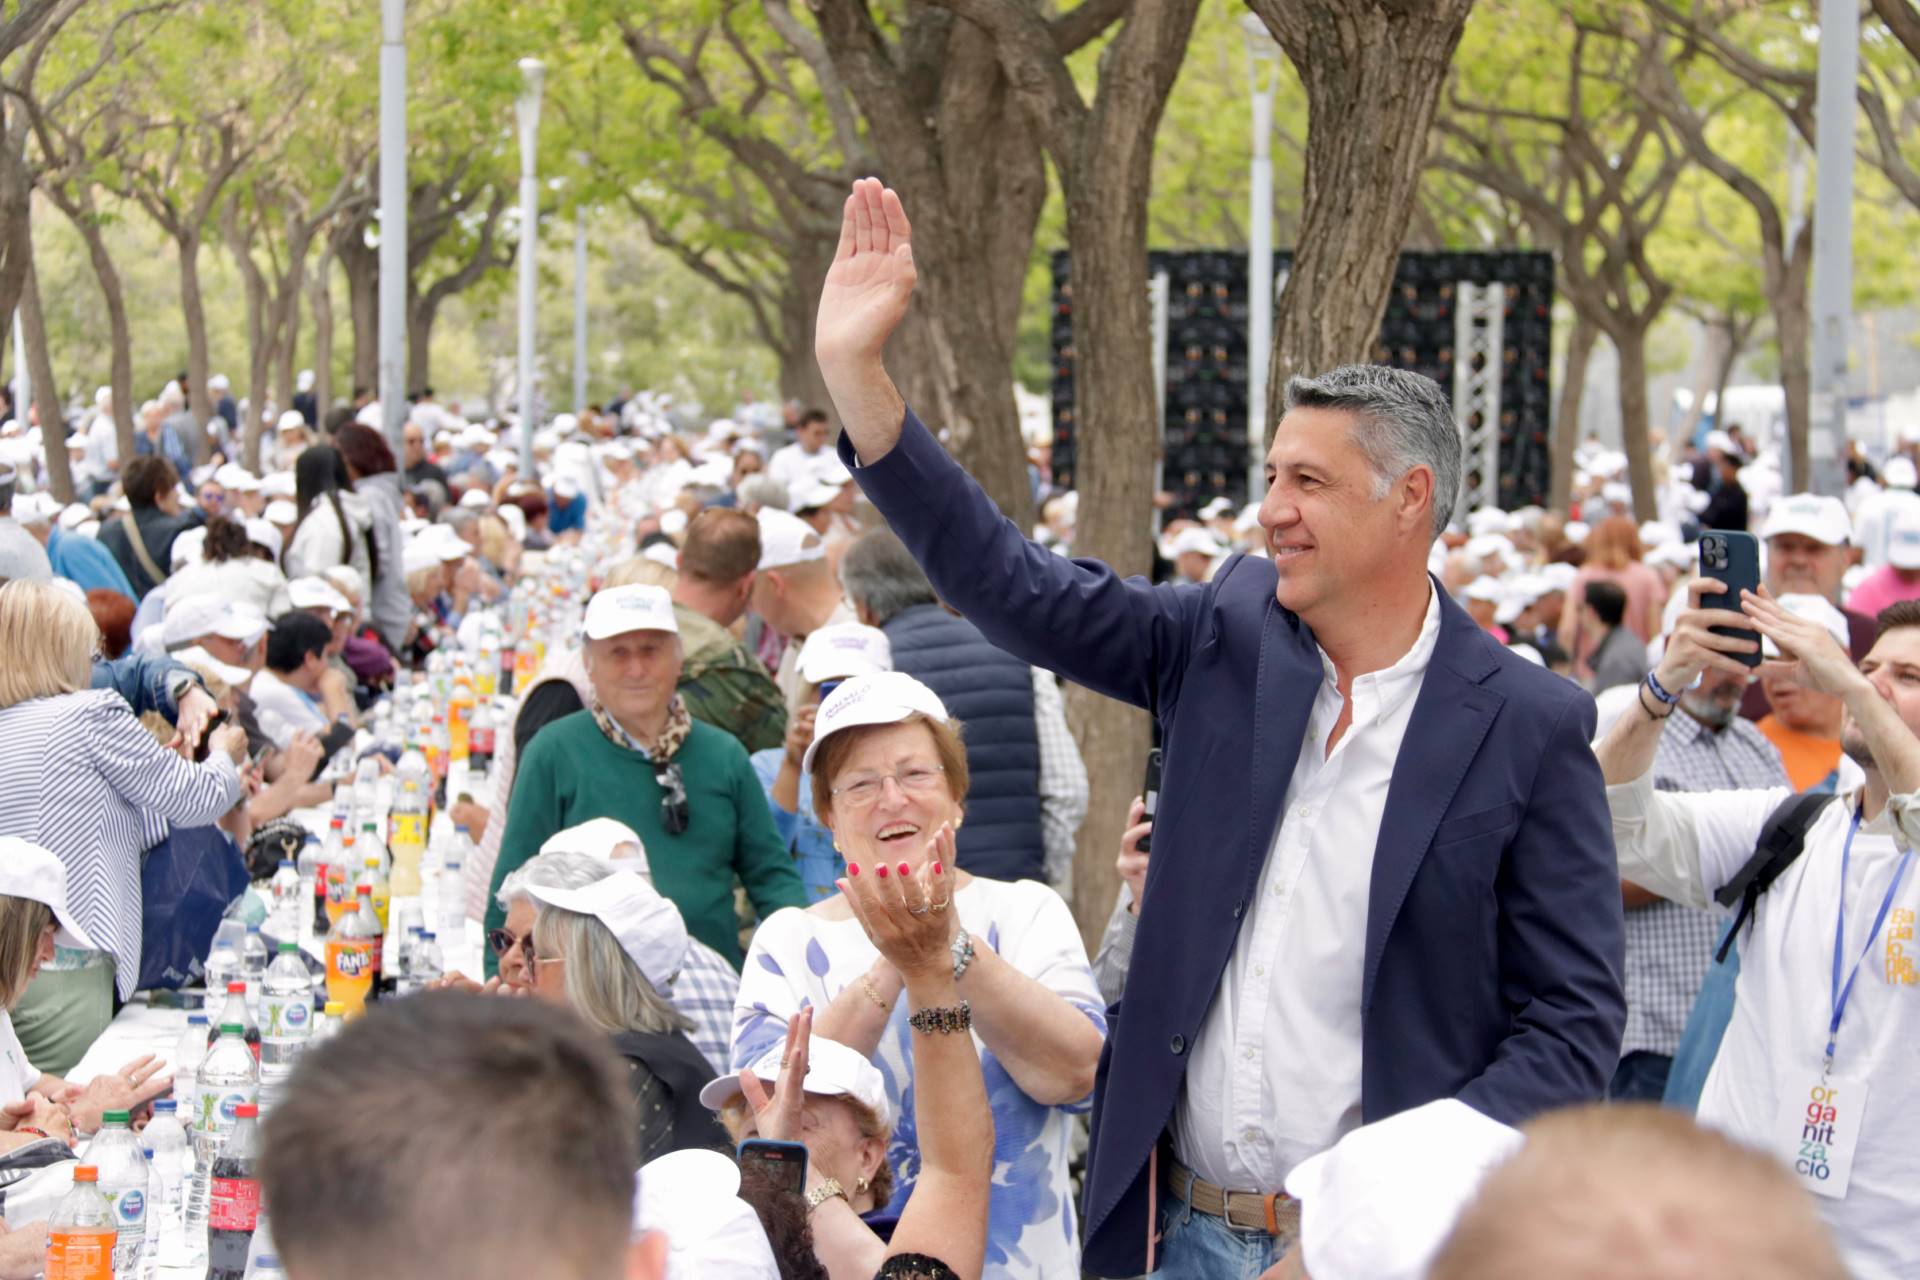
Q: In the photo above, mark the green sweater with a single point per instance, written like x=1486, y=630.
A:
x=571, y=773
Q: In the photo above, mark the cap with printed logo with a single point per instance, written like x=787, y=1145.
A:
x=635, y=607
x=843, y=650
x=1810, y=515
x=886, y=697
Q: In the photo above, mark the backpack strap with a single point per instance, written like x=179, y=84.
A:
x=139, y=546
x=1781, y=840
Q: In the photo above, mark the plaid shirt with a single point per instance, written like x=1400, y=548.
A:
x=1669, y=946
x=704, y=990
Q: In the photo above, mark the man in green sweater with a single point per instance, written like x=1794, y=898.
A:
x=634, y=754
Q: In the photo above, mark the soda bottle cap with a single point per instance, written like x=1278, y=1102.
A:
x=253, y=928
x=334, y=1009
x=116, y=1117
x=289, y=947
x=366, y=889
x=236, y=988
x=247, y=1111
x=85, y=1173
x=200, y=1018
x=373, y=862
x=233, y=1027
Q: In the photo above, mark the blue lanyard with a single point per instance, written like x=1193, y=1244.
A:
x=1838, y=994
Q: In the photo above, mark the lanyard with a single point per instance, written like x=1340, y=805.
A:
x=1838, y=994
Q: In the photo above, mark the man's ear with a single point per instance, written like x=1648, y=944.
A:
x=647, y=1257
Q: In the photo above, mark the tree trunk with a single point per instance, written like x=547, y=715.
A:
x=46, y=395
x=1717, y=337
x=199, y=360
x=1738, y=335
x=1631, y=343
x=1794, y=326
x=322, y=287
x=421, y=313
x=1566, y=420
x=16, y=199
x=86, y=221
x=1373, y=71
x=361, y=266
x=286, y=325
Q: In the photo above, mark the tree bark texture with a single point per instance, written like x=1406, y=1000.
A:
x=79, y=209
x=321, y=287
x=16, y=195
x=46, y=392
x=1630, y=342
x=240, y=237
x=361, y=267
x=1566, y=420
x=193, y=311
x=1373, y=71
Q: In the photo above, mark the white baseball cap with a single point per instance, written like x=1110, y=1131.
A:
x=814, y=492
x=673, y=522
x=885, y=697
x=210, y=614
x=663, y=554
x=647, y=926
x=1482, y=521
x=236, y=478
x=834, y=1070
x=36, y=508
x=261, y=533
x=1559, y=576
x=74, y=515
x=208, y=665
x=598, y=838
x=291, y=420
x=1577, y=531
x=1899, y=472
x=281, y=512
x=1485, y=588
x=692, y=1197
x=786, y=539
x=189, y=548
x=278, y=484
x=845, y=649
x=28, y=871
x=1811, y=515
x=317, y=593
x=1490, y=544
x=1903, y=540
x=476, y=499
x=1814, y=609
x=1193, y=541
x=1379, y=1203
x=635, y=607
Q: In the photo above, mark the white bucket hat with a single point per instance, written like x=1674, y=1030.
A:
x=28, y=871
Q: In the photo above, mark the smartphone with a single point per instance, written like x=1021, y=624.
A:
x=784, y=1163
x=827, y=687
x=1150, y=794
x=1732, y=557
x=206, y=736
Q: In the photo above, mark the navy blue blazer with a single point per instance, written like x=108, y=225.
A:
x=1494, y=946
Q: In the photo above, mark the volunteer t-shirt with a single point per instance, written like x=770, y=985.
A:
x=1810, y=760
x=15, y=1071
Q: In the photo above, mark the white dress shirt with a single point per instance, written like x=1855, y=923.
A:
x=1275, y=1070
x=1685, y=847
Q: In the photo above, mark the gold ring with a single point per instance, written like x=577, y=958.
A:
x=941, y=905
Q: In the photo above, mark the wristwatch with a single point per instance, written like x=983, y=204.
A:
x=962, y=954
x=827, y=1190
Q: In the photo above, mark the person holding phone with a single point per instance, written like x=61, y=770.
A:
x=829, y=656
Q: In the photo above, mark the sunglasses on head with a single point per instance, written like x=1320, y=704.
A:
x=675, y=817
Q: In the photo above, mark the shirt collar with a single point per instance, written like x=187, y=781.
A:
x=1379, y=693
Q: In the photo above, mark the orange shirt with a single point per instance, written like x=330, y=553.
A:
x=1808, y=759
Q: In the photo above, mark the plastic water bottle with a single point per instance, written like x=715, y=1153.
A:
x=235, y=1198
x=428, y=965
x=169, y=1158
x=284, y=891
x=450, y=914
x=229, y=1079
x=187, y=1054
x=286, y=1009
x=124, y=1181
x=223, y=966
x=254, y=958
x=266, y=1267
x=80, y=1236
x=327, y=1023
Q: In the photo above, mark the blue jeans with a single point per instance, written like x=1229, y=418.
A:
x=1640, y=1077
x=1194, y=1246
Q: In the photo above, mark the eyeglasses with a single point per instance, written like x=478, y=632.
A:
x=675, y=817
x=865, y=790
x=500, y=941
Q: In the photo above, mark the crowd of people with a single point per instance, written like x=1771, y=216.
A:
x=777, y=837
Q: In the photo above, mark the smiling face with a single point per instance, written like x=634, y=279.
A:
x=634, y=674
x=1327, y=526
x=897, y=822
x=1892, y=666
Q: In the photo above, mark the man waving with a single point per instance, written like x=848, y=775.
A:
x=1382, y=868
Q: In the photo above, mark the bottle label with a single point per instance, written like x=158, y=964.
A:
x=350, y=961
x=287, y=1017
x=482, y=742
x=236, y=1204
x=409, y=829
x=76, y=1253
x=129, y=1208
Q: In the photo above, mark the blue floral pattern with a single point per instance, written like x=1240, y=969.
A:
x=1033, y=1230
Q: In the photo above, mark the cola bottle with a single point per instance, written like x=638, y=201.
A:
x=235, y=1210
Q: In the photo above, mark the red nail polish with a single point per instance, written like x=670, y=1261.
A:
x=882, y=871
x=937, y=869
x=905, y=871
x=853, y=868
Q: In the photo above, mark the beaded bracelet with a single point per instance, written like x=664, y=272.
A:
x=945, y=1020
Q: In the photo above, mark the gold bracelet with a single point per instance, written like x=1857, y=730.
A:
x=873, y=993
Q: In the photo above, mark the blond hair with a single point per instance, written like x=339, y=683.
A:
x=47, y=643
x=641, y=571
x=22, y=922
x=1636, y=1192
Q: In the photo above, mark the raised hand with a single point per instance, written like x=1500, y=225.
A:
x=778, y=1117
x=1694, y=647
x=906, y=914
x=870, y=282
x=1809, y=656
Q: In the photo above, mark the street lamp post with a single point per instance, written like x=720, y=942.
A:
x=1263, y=67
x=392, y=371
x=533, y=72
x=1832, y=246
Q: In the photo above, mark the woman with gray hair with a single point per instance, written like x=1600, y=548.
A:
x=600, y=938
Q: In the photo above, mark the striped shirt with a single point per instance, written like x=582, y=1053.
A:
x=704, y=990
x=86, y=781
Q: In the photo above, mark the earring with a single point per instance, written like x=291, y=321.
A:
x=860, y=1184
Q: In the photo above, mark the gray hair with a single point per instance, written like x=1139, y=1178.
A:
x=760, y=490
x=878, y=572
x=460, y=519
x=557, y=870
x=1401, y=421
x=604, y=985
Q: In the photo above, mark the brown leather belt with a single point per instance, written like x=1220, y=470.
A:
x=1277, y=1214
